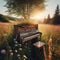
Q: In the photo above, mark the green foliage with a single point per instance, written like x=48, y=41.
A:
x=11, y=18
x=56, y=20
x=3, y=18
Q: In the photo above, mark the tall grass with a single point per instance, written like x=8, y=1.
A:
x=54, y=31
x=5, y=29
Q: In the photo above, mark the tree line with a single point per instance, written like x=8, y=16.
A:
x=55, y=19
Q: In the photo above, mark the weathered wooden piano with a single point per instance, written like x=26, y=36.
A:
x=26, y=35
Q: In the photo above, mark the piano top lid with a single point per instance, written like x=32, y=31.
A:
x=39, y=44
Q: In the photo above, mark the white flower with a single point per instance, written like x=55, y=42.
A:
x=16, y=45
x=20, y=48
x=14, y=39
x=16, y=51
x=11, y=53
x=25, y=56
x=16, y=42
x=10, y=50
x=19, y=44
x=18, y=55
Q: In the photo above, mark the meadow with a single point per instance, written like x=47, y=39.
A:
x=53, y=31
x=47, y=31
x=50, y=30
x=5, y=31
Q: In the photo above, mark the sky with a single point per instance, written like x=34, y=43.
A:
x=50, y=9
x=51, y=6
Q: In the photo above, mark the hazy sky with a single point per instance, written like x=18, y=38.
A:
x=50, y=8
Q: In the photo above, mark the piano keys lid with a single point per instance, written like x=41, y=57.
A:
x=30, y=37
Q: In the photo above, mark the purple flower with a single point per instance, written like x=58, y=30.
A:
x=3, y=51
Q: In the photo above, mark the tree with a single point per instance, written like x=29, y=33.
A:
x=24, y=7
x=3, y=18
x=48, y=20
x=56, y=18
x=57, y=12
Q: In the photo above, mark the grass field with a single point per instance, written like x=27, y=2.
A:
x=54, y=31
x=50, y=30
x=5, y=28
x=47, y=31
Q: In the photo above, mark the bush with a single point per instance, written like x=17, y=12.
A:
x=3, y=18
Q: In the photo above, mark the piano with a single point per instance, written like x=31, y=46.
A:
x=27, y=33
x=27, y=39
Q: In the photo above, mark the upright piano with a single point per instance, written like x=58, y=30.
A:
x=25, y=34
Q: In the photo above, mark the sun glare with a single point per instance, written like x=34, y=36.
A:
x=38, y=16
